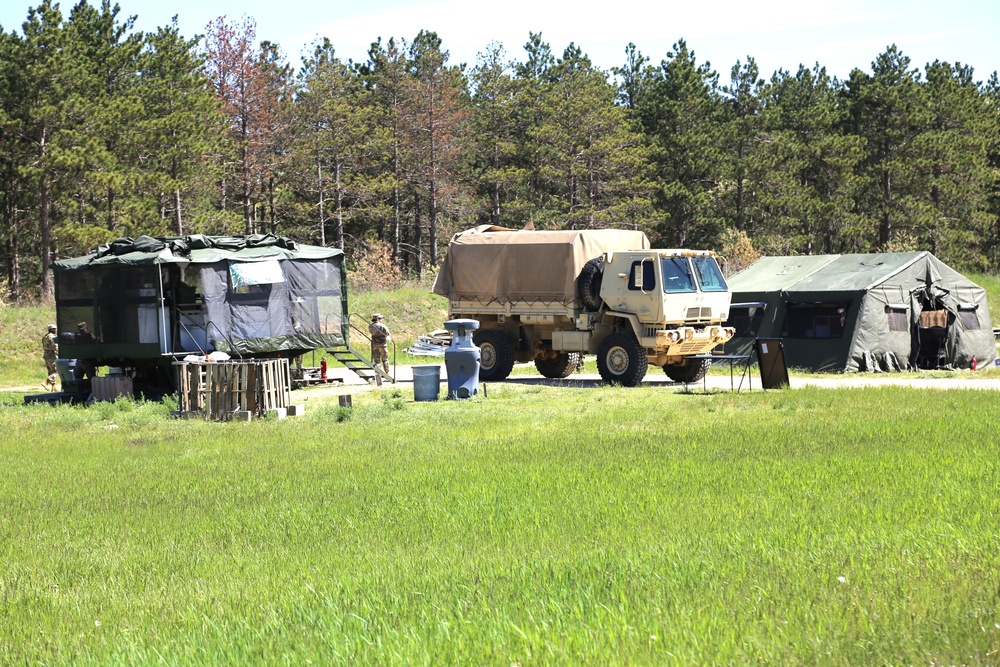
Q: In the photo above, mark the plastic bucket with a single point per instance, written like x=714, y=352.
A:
x=426, y=383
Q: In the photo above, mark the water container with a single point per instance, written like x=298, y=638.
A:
x=66, y=369
x=426, y=383
x=462, y=359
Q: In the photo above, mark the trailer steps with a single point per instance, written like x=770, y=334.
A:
x=359, y=365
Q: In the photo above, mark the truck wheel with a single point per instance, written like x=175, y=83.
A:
x=691, y=370
x=589, y=283
x=560, y=367
x=496, y=354
x=621, y=360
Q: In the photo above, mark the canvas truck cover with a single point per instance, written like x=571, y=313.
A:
x=495, y=264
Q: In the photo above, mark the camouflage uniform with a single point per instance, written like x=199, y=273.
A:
x=380, y=336
x=50, y=352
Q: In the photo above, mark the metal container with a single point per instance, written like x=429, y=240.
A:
x=426, y=383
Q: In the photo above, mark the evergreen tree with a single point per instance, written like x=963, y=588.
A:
x=592, y=163
x=679, y=112
x=384, y=76
x=335, y=143
x=492, y=141
x=741, y=135
x=182, y=123
x=886, y=111
x=252, y=84
x=809, y=193
x=435, y=113
x=954, y=178
x=41, y=120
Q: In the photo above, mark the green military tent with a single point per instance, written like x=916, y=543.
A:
x=865, y=312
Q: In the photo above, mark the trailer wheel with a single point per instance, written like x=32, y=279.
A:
x=691, y=370
x=589, y=283
x=496, y=354
x=560, y=367
x=621, y=360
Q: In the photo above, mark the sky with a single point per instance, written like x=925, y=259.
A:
x=779, y=34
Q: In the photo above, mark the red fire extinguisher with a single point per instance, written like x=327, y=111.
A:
x=973, y=365
x=322, y=368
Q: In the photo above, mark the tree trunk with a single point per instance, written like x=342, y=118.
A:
x=177, y=212
x=339, y=231
x=322, y=213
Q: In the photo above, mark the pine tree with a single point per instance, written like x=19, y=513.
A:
x=679, y=112
x=886, y=111
x=953, y=165
x=594, y=165
x=335, y=144
x=384, y=76
x=182, y=123
x=492, y=141
x=808, y=197
x=435, y=112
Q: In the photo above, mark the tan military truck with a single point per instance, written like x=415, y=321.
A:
x=553, y=296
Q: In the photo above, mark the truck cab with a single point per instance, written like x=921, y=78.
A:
x=666, y=287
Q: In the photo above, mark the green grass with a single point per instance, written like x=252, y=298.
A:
x=537, y=526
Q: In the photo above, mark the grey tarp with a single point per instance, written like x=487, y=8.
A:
x=495, y=264
x=862, y=312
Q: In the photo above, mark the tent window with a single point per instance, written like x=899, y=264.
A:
x=746, y=320
x=815, y=320
x=897, y=318
x=970, y=320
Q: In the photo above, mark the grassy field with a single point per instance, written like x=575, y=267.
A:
x=541, y=525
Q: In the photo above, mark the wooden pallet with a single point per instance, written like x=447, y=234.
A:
x=224, y=389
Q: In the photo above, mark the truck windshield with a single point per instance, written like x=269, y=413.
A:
x=677, y=275
x=709, y=276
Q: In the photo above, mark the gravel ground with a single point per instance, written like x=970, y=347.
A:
x=345, y=382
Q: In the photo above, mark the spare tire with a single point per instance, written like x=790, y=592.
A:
x=589, y=283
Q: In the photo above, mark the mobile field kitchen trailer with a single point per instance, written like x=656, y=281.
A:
x=150, y=301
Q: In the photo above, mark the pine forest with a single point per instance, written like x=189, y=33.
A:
x=108, y=132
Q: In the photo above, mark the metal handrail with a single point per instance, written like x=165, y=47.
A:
x=210, y=323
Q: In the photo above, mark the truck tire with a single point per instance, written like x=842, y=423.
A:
x=621, y=360
x=496, y=354
x=560, y=367
x=589, y=283
x=691, y=370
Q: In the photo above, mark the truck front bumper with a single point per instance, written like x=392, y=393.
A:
x=685, y=341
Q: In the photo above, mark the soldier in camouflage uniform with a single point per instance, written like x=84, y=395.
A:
x=380, y=337
x=50, y=352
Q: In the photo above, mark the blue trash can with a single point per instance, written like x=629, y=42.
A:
x=461, y=359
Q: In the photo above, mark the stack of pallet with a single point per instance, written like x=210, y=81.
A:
x=228, y=390
x=431, y=345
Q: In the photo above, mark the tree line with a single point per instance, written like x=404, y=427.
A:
x=109, y=132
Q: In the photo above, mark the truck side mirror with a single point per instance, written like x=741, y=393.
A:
x=637, y=276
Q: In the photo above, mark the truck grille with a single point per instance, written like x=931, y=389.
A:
x=699, y=313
